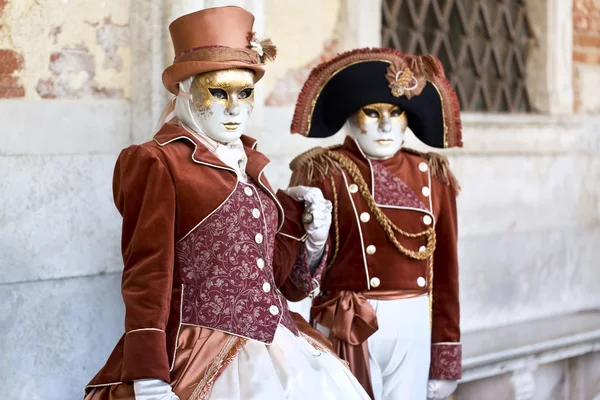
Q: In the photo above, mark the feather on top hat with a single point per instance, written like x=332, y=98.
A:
x=417, y=84
x=215, y=39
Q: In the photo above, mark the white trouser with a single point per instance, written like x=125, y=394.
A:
x=400, y=350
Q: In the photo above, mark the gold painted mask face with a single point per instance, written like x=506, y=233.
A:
x=379, y=129
x=222, y=103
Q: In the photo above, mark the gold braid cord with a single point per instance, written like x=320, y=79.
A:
x=320, y=162
x=388, y=226
x=336, y=220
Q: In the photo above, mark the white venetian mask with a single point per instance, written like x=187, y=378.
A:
x=379, y=129
x=221, y=105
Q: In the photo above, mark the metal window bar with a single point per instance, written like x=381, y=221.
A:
x=483, y=45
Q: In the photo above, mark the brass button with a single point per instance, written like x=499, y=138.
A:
x=375, y=282
x=371, y=249
x=365, y=217
x=423, y=167
x=353, y=188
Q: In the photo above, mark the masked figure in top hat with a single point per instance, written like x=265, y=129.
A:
x=204, y=316
x=388, y=297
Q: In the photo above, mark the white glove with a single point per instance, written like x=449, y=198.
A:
x=318, y=229
x=153, y=389
x=440, y=389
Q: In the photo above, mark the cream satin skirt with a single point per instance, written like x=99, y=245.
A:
x=290, y=368
x=213, y=365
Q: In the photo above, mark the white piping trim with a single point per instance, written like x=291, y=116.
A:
x=430, y=193
x=274, y=198
x=302, y=239
x=212, y=212
x=372, y=179
x=145, y=329
x=178, y=330
x=104, y=384
x=362, y=247
x=447, y=343
x=194, y=152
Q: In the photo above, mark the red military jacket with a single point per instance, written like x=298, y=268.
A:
x=407, y=191
x=198, y=248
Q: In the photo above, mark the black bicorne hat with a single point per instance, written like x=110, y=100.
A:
x=417, y=84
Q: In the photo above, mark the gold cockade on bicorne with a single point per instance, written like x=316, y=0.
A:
x=403, y=81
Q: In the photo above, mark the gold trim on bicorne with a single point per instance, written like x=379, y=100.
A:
x=229, y=351
x=443, y=114
x=314, y=100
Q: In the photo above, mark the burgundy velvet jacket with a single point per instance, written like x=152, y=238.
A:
x=407, y=192
x=198, y=248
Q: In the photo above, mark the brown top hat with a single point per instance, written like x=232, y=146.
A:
x=215, y=39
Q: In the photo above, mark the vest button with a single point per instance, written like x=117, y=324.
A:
x=255, y=213
x=375, y=282
x=266, y=287
x=261, y=263
x=274, y=310
x=248, y=191
x=258, y=238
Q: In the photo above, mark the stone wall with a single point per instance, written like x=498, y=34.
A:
x=65, y=84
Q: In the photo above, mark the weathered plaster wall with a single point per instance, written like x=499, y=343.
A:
x=73, y=49
x=303, y=43
x=586, y=55
x=65, y=81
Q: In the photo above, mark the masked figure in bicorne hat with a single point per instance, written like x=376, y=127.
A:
x=204, y=318
x=388, y=297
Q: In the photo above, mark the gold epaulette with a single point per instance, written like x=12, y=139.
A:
x=439, y=167
x=313, y=166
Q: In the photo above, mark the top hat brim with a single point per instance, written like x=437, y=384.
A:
x=181, y=71
x=337, y=89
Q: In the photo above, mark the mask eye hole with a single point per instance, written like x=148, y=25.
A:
x=396, y=112
x=244, y=94
x=370, y=112
x=218, y=93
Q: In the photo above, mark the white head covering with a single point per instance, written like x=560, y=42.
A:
x=183, y=111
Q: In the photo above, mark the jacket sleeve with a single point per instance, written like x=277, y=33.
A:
x=446, y=350
x=292, y=270
x=144, y=194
